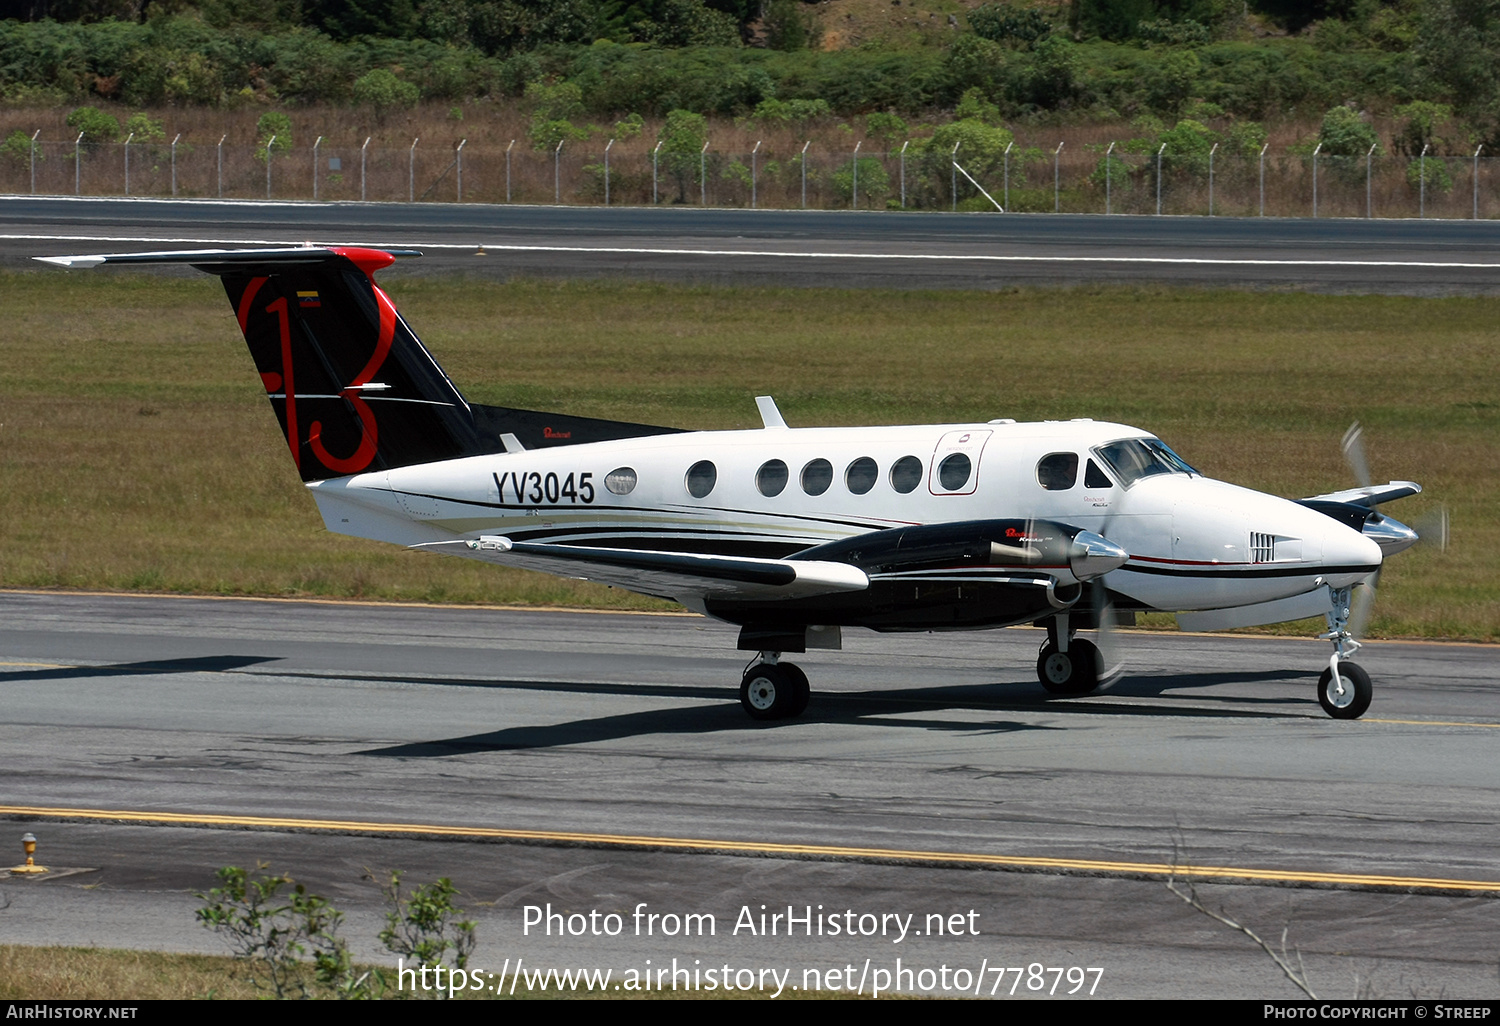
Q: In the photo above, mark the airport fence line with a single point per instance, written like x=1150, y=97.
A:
x=1092, y=179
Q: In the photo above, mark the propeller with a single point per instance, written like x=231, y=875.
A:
x=1111, y=651
x=1431, y=527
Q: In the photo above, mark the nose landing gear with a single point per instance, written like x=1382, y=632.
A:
x=1344, y=689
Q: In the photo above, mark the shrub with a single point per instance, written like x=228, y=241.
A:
x=1345, y=134
x=383, y=92
x=97, y=127
x=1434, y=170
x=873, y=181
x=423, y=926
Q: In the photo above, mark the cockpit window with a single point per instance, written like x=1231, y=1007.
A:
x=1096, y=478
x=1134, y=458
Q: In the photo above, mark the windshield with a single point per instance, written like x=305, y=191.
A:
x=1134, y=458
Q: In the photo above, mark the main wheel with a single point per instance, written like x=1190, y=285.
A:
x=1351, y=703
x=773, y=691
x=1074, y=672
x=803, y=693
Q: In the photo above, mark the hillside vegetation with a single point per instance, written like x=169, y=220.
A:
x=779, y=60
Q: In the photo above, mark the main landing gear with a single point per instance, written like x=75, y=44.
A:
x=1344, y=689
x=773, y=690
x=1067, y=665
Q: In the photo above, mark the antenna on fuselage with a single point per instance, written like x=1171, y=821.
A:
x=770, y=416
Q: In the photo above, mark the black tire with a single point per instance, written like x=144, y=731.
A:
x=1351, y=705
x=803, y=690
x=769, y=692
x=1074, y=672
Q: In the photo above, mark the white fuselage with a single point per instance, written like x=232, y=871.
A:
x=1194, y=543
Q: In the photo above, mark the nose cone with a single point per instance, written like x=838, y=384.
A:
x=1092, y=555
x=1348, y=556
x=1391, y=535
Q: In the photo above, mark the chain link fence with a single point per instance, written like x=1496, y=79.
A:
x=1089, y=179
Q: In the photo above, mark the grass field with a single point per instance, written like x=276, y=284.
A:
x=137, y=451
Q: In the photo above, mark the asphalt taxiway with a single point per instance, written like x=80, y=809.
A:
x=856, y=249
x=596, y=761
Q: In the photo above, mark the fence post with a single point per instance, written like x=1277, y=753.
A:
x=953, y=175
x=557, y=174
x=1476, y=180
x=703, y=176
x=174, y=164
x=77, y=163
x=1158, y=177
x=1422, y=173
x=903, y=173
x=754, y=168
x=507, y=170
x=411, y=171
x=458, y=158
x=33, y=160
x=269, y=144
x=606, y=171
x=362, y=168
x=654, y=154
x=1369, y=156
x=1108, y=162
x=1263, y=149
x=127, y=162
x=1315, y=179
x=804, y=173
x=1211, y=179
x=1007, y=172
x=1056, y=180
x=221, y=166
x=316, y=143
x=854, y=166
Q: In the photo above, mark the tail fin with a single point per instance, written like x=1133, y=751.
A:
x=351, y=384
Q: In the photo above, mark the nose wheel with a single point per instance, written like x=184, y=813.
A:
x=1347, y=696
x=773, y=690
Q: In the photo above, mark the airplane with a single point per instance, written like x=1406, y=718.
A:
x=791, y=534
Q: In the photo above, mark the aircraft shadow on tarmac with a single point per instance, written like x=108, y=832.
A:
x=150, y=667
x=886, y=708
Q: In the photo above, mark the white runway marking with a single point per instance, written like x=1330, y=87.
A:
x=809, y=255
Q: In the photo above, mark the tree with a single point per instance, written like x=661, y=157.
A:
x=1345, y=133
x=383, y=92
x=682, y=139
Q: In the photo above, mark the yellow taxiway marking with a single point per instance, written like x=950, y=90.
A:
x=1156, y=869
x=44, y=666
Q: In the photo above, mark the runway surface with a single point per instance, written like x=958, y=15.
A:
x=818, y=248
x=1213, y=752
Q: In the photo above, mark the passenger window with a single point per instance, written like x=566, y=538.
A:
x=1093, y=477
x=701, y=477
x=621, y=480
x=861, y=475
x=906, y=474
x=817, y=476
x=1058, y=471
x=953, y=472
x=771, y=478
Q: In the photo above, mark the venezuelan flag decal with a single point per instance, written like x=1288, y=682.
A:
x=308, y=299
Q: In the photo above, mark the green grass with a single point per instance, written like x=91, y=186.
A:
x=137, y=452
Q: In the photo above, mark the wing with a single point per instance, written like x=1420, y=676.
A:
x=685, y=577
x=1369, y=495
